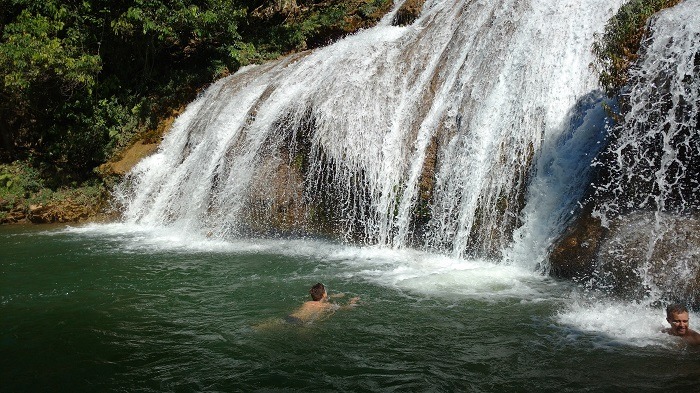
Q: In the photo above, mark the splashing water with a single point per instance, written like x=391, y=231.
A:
x=444, y=116
x=464, y=137
x=650, y=196
x=655, y=156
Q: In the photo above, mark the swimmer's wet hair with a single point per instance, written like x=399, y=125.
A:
x=675, y=308
x=317, y=291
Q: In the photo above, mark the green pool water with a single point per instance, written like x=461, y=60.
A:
x=118, y=310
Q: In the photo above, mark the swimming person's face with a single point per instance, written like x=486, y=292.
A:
x=679, y=323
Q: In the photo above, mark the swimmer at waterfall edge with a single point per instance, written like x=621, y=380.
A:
x=318, y=306
x=677, y=316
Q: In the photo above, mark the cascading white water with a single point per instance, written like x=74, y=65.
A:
x=656, y=151
x=479, y=89
x=650, y=197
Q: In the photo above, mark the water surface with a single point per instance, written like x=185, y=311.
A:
x=112, y=308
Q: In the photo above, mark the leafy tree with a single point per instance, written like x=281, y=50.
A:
x=80, y=78
x=48, y=76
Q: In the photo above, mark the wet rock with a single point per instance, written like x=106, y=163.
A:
x=653, y=253
x=641, y=255
x=410, y=11
x=574, y=255
x=276, y=200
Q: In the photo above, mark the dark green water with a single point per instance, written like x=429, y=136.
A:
x=95, y=310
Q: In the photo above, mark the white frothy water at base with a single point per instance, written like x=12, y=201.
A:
x=408, y=270
x=418, y=274
x=608, y=323
x=435, y=275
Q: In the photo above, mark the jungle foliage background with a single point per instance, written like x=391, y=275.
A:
x=81, y=77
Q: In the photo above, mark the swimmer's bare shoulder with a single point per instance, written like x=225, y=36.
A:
x=692, y=337
x=311, y=309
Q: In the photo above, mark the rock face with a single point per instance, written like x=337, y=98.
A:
x=574, y=255
x=408, y=13
x=15, y=215
x=43, y=214
x=63, y=211
x=641, y=254
x=647, y=186
x=652, y=253
x=128, y=159
x=278, y=206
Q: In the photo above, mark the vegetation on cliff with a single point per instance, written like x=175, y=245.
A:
x=618, y=47
x=24, y=196
x=81, y=80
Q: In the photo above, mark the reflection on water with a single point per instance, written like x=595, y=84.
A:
x=109, y=309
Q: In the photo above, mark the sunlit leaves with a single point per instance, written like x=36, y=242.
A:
x=31, y=51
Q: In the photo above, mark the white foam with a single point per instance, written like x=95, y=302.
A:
x=417, y=272
x=136, y=237
x=439, y=275
x=609, y=322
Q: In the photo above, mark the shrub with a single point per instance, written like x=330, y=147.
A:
x=617, y=49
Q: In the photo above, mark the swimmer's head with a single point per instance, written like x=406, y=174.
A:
x=675, y=308
x=677, y=316
x=317, y=292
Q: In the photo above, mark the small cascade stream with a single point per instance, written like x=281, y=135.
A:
x=656, y=149
x=649, y=195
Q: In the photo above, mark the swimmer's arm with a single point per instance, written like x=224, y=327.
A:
x=351, y=304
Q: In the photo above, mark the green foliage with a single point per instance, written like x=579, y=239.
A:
x=80, y=79
x=47, y=82
x=617, y=48
x=32, y=53
x=86, y=195
x=314, y=23
x=43, y=44
x=18, y=181
x=22, y=187
x=371, y=8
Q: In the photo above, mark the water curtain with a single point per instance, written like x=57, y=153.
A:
x=649, y=193
x=427, y=135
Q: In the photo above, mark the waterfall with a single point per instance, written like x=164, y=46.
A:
x=427, y=135
x=654, y=161
x=649, y=196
